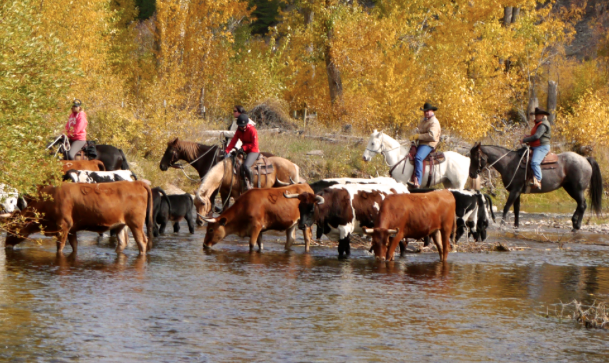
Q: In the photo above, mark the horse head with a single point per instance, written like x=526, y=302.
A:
x=478, y=160
x=375, y=146
x=172, y=154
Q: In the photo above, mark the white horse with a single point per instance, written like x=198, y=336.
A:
x=452, y=173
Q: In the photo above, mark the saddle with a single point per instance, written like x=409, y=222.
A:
x=549, y=162
x=434, y=158
x=88, y=152
x=262, y=166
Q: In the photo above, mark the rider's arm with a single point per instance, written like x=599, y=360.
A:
x=432, y=135
x=540, y=130
x=249, y=147
x=233, y=141
x=81, y=124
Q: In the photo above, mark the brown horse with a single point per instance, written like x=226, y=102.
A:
x=221, y=177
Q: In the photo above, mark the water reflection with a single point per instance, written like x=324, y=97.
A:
x=182, y=303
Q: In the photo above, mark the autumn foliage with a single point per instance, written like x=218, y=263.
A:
x=371, y=66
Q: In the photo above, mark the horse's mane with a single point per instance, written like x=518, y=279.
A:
x=212, y=180
x=189, y=148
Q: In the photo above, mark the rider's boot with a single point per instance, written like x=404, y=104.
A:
x=249, y=179
x=536, y=183
x=416, y=183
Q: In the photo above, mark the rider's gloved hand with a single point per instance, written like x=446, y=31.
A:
x=232, y=152
x=414, y=137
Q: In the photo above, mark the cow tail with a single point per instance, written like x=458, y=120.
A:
x=166, y=199
x=101, y=165
x=149, y=227
x=124, y=165
x=596, y=186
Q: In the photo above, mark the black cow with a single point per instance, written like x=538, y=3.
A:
x=172, y=208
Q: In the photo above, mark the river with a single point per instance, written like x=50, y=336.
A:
x=183, y=304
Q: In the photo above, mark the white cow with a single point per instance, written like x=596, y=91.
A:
x=86, y=176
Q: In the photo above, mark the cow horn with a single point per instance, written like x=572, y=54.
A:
x=319, y=199
x=283, y=184
x=5, y=215
x=208, y=220
x=393, y=231
x=290, y=196
x=368, y=230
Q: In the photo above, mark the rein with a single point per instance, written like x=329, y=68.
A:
x=181, y=167
x=487, y=167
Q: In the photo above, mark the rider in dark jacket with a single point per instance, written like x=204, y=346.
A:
x=539, y=141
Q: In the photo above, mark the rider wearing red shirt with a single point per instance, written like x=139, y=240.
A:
x=249, y=137
x=76, y=129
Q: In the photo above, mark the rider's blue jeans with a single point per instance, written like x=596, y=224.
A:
x=422, y=152
x=539, y=153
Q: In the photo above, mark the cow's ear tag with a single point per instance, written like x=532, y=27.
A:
x=222, y=221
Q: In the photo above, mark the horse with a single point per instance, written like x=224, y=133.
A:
x=452, y=173
x=574, y=173
x=221, y=177
x=112, y=157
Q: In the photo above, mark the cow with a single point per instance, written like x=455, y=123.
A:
x=91, y=177
x=73, y=207
x=322, y=184
x=172, y=208
x=10, y=200
x=343, y=209
x=92, y=165
x=259, y=210
x=414, y=216
x=471, y=212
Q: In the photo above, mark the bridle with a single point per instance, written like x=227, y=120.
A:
x=489, y=166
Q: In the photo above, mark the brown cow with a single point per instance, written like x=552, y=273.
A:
x=260, y=210
x=92, y=165
x=414, y=216
x=76, y=207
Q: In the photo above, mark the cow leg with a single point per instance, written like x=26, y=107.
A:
x=290, y=235
x=259, y=242
x=437, y=240
x=191, y=220
x=254, y=237
x=426, y=241
x=445, y=236
x=394, y=244
x=61, y=240
x=163, y=224
x=73, y=241
x=344, y=246
x=122, y=236
x=402, y=248
x=308, y=235
x=140, y=238
x=176, y=227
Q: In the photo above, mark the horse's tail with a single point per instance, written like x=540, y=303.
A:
x=596, y=186
x=124, y=165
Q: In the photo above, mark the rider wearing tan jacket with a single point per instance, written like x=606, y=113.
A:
x=428, y=137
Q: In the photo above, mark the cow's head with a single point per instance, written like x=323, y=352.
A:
x=71, y=175
x=22, y=224
x=203, y=206
x=380, y=240
x=307, y=207
x=215, y=231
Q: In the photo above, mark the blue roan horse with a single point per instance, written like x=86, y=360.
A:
x=574, y=173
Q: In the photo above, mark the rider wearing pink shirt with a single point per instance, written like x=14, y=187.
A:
x=76, y=129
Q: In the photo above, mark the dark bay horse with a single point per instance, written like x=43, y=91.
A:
x=112, y=157
x=574, y=173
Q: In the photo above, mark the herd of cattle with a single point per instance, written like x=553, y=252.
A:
x=382, y=208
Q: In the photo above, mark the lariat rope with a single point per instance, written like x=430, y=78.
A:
x=65, y=144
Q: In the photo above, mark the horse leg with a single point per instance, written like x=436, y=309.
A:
x=517, y=211
x=514, y=194
x=579, y=197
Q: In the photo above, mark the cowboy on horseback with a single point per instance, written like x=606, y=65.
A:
x=539, y=141
x=428, y=137
x=246, y=132
x=76, y=129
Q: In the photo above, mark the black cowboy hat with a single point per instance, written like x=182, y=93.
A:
x=76, y=103
x=539, y=111
x=427, y=106
x=242, y=120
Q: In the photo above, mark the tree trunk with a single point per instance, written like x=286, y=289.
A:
x=202, y=103
x=552, y=94
x=515, y=14
x=334, y=80
x=507, y=16
x=533, y=103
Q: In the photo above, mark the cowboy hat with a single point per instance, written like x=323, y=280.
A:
x=427, y=106
x=539, y=111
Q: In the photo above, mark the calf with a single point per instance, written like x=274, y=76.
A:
x=91, y=177
x=342, y=210
x=414, y=216
x=322, y=184
x=260, y=210
x=485, y=207
x=70, y=208
x=93, y=165
x=173, y=208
